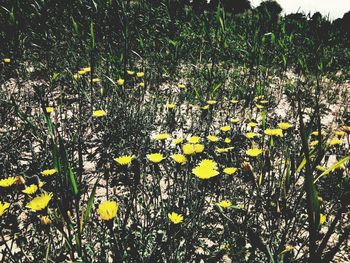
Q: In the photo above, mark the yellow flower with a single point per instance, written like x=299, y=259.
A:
x=224, y=204
x=339, y=133
x=140, y=74
x=120, y=82
x=130, y=72
x=49, y=172
x=49, y=109
x=323, y=219
x=87, y=69
x=205, y=107
x=124, y=160
x=95, y=80
x=212, y=138
x=287, y=249
x=205, y=169
x=170, y=106
x=252, y=124
x=251, y=135
x=142, y=84
x=285, y=125
x=161, y=136
x=99, y=113
x=224, y=150
x=81, y=72
x=40, y=184
x=335, y=142
x=177, y=141
x=179, y=158
x=7, y=60
x=198, y=148
x=30, y=189
x=264, y=101
x=155, y=157
x=259, y=106
x=194, y=139
x=107, y=210
x=181, y=86
x=211, y=102
x=40, y=202
x=230, y=170
x=175, y=218
x=274, y=132
x=227, y=140
x=188, y=149
x=75, y=76
x=3, y=207
x=225, y=128
x=235, y=120
x=7, y=182
x=234, y=101
x=346, y=129
x=254, y=152
x=315, y=133
x=45, y=220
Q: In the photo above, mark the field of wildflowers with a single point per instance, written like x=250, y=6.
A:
x=172, y=131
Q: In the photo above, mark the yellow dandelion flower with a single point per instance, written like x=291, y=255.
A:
x=140, y=74
x=45, y=220
x=130, y=72
x=333, y=142
x=99, y=113
x=6, y=60
x=254, y=152
x=224, y=204
x=323, y=219
x=179, y=158
x=95, y=80
x=235, y=120
x=346, y=129
x=142, y=84
x=7, y=182
x=87, y=69
x=49, y=172
x=287, y=249
x=206, y=169
x=259, y=106
x=75, y=76
x=225, y=128
x=161, y=136
x=41, y=184
x=227, y=140
x=285, y=125
x=170, y=105
x=252, y=124
x=120, y=82
x=108, y=210
x=264, y=101
x=155, y=157
x=234, y=101
x=49, y=109
x=198, y=148
x=251, y=135
x=274, y=132
x=188, y=149
x=181, y=86
x=3, y=207
x=124, y=160
x=175, y=218
x=194, y=139
x=40, y=202
x=339, y=133
x=224, y=150
x=81, y=72
x=205, y=107
x=212, y=138
x=211, y=102
x=177, y=141
x=315, y=133
x=230, y=170
x=30, y=189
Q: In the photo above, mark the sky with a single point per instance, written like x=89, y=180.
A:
x=333, y=8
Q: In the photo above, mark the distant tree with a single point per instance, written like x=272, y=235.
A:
x=295, y=22
x=236, y=6
x=269, y=12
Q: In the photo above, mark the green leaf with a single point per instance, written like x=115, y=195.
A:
x=333, y=167
x=89, y=205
